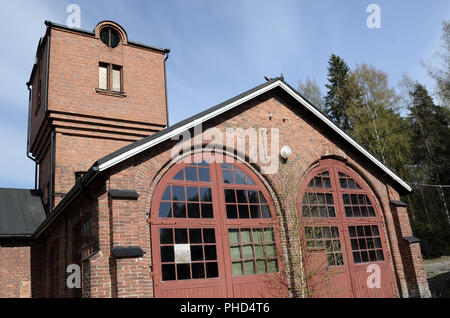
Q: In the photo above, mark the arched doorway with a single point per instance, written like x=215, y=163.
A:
x=214, y=233
x=342, y=228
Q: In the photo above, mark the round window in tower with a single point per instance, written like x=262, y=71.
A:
x=110, y=37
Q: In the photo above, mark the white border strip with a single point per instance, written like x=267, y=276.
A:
x=244, y=99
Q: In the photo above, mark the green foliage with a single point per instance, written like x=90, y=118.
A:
x=337, y=97
x=311, y=91
x=373, y=118
x=417, y=146
x=431, y=134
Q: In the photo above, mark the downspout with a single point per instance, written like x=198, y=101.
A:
x=28, y=138
x=52, y=128
x=166, y=52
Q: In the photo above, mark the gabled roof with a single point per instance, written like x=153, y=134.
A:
x=165, y=134
x=21, y=212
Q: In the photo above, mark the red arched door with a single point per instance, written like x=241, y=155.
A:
x=214, y=234
x=346, y=251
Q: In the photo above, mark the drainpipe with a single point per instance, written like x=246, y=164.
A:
x=47, y=117
x=166, y=52
x=28, y=138
x=52, y=129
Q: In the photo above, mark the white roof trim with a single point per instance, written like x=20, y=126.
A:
x=278, y=83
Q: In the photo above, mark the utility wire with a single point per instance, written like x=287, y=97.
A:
x=430, y=185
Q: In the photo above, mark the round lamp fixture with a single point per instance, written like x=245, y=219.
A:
x=285, y=152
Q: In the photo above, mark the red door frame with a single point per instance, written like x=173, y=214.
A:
x=356, y=289
x=226, y=282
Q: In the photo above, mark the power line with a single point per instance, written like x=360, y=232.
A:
x=430, y=185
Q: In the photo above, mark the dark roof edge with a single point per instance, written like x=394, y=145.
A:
x=402, y=190
x=180, y=123
x=83, y=31
x=411, y=239
x=123, y=194
x=84, y=181
x=16, y=235
x=399, y=203
x=93, y=171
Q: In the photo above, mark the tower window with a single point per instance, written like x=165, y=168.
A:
x=110, y=37
x=110, y=78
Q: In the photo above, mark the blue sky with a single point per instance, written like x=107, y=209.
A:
x=220, y=49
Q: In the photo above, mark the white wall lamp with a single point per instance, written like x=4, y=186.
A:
x=285, y=152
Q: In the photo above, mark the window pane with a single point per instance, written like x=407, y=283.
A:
x=247, y=251
x=166, y=195
x=230, y=196
x=102, y=77
x=231, y=212
x=261, y=266
x=195, y=236
x=270, y=249
x=207, y=211
x=235, y=252
x=178, y=193
x=273, y=266
x=203, y=175
x=210, y=253
x=238, y=269
x=249, y=267
x=179, y=210
x=191, y=173
x=265, y=211
x=115, y=40
x=181, y=236
x=165, y=236
x=241, y=196
x=104, y=36
x=243, y=211
x=227, y=176
x=183, y=271
x=198, y=270
x=205, y=195
x=268, y=233
x=168, y=272
x=253, y=196
x=179, y=175
x=196, y=253
x=193, y=210
x=259, y=251
x=257, y=235
x=212, y=270
x=245, y=235
x=165, y=210
x=233, y=236
x=208, y=236
x=167, y=254
x=239, y=177
x=192, y=193
x=254, y=211
x=116, y=87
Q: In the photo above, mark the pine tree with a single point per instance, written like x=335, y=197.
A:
x=337, y=98
x=432, y=135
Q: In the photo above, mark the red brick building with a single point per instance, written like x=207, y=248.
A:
x=206, y=220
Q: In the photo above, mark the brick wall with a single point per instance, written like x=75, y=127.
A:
x=87, y=122
x=15, y=275
x=123, y=222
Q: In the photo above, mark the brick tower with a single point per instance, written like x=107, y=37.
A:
x=91, y=93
